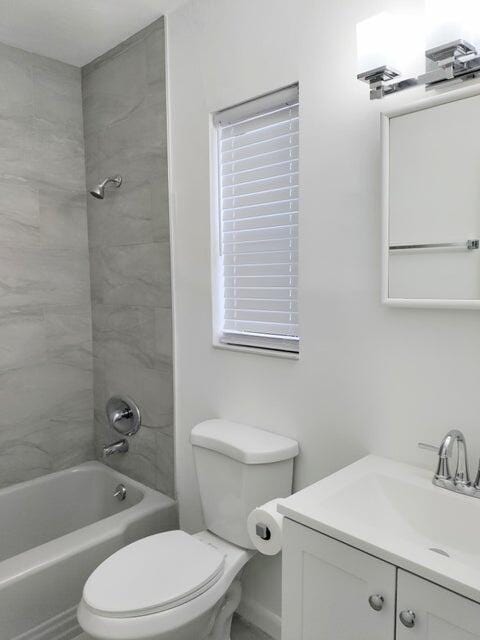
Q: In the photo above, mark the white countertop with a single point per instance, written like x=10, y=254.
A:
x=393, y=511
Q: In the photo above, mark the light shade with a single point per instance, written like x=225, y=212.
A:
x=449, y=20
x=397, y=41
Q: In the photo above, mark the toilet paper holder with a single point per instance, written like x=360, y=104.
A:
x=262, y=531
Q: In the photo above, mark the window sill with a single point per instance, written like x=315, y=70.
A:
x=270, y=353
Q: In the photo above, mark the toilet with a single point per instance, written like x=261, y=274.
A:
x=177, y=586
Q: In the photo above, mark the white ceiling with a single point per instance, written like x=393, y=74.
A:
x=76, y=31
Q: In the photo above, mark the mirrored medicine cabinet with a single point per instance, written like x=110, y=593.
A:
x=431, y=202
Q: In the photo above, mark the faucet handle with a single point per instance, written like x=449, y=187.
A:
x=443, y=468
x=476, y=482
x=428, y=447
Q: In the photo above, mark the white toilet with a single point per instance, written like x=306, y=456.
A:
x=177, y=586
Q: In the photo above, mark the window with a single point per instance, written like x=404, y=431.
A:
x=257, y=150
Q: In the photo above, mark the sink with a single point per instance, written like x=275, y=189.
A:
x=394, y=512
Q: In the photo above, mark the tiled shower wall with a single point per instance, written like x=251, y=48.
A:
x=45, y=325
x=125, y=133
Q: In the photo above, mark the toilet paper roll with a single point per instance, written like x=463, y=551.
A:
x=268, y=520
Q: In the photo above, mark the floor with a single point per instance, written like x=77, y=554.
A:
x=241, y=630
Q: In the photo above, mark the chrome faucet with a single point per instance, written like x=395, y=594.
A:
x=121, y=446
x=124, y=417
x=460, y=480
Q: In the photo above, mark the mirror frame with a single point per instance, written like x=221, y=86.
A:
x=434, y=101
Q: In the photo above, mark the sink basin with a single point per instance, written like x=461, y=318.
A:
x=393, y=511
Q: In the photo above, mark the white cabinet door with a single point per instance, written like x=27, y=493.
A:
x=439, y=613
x=326, y=590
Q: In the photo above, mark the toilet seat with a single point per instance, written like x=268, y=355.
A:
x=153, y=575
x=162, y=624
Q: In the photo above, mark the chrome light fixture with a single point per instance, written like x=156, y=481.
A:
x=447, y=39
x=383, y=50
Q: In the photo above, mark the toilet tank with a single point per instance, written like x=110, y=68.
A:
x=239, y=468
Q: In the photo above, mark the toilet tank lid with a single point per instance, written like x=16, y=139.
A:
x=241, y=442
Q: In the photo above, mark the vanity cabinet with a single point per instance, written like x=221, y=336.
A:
x=439, y=613
x=326, y=588
x=332, y=591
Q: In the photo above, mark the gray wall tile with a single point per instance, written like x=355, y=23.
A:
x=136, y=165
x=128, y=335
x=23, y=455
x=58, y=100
x=125, y=127
x=69, y=336
x=51, y=376
x=126, y=217
x=46, y=380
x=19, y=215
x=115, y=89
x=137, y=273
x=56, y=159
x=23, y=337
x=48, y=276
x=16, y=89
x=46, y=391
x=16, y=150
x=62, y=218
x=165, y=460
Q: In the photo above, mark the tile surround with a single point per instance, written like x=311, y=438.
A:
x=46, y=386
x=54, y=271
x=125, y=132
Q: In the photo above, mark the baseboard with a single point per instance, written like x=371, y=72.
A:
x=65, y=625
x=269, y=622
x=61, y=627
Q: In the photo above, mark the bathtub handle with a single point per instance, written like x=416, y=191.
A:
x=123, y=415
x=120, y=492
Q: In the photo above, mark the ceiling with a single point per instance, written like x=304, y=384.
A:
x=76, y=31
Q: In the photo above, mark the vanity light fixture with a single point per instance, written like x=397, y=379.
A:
x=383, y=51
x=448, y=38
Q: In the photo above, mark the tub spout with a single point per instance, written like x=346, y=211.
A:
x=121, y=446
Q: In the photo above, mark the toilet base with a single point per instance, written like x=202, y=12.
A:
x=223, y=621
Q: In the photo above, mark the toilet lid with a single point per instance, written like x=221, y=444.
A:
x=153, y=574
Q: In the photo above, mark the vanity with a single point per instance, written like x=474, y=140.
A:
x=377, y=552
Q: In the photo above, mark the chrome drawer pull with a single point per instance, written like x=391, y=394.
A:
x=376, y=602
x=407, y=618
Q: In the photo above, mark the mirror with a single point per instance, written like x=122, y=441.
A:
x=431, y=202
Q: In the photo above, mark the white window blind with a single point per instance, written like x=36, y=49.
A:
x=258, y=151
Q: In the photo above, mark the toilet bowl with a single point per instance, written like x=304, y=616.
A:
x=168, y=586
x=177, y=586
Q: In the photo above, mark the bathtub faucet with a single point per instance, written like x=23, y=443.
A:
x=121, y=446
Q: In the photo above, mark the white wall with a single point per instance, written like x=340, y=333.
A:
x=370, y=378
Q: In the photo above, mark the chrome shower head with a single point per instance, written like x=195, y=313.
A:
x=99, y=190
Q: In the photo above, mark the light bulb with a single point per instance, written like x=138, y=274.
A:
x=396, y=41
x=449, y=20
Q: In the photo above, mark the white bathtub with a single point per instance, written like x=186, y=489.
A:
x=54, y=531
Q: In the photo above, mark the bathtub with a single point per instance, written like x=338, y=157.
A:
x=54, y=531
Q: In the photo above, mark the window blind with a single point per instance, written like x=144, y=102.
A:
x=258, y=155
